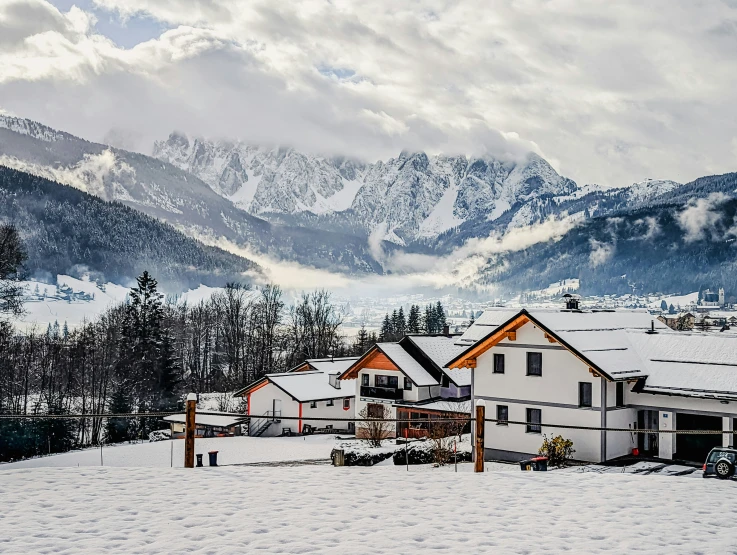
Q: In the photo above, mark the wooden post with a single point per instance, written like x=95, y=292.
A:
x=189, y=431
x=478, y=460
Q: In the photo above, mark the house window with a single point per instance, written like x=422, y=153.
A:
x=364, y=379
x=620, y=394
x=346, y=404
x=534, y=417
x=584, y=394
x=498, y=363
x=391, y=382
x=502, y=415
x=375, y=410
x=534, y=364
x=330, y=403
x=407, y=384
x=313, y=404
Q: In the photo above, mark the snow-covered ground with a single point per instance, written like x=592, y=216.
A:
x=357, y=510
x=231, y=450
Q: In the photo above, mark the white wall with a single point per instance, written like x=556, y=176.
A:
x=262, y=400
x=324, y=411
x=558, y=385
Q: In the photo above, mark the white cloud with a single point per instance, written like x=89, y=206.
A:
x=701, y=217
x=94, y=174
x=600, y=252
x=610, y=92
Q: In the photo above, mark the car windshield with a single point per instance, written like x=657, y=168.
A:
x=714, y=456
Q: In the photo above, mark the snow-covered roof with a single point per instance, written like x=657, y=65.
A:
x=311, y=385
x=562, y=321
x=330, y=365
x=623, y=346
x=207, y=419
x=442, y=349
x=407, y=364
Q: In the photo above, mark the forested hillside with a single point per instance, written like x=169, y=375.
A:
x=669, y=247
x=65, y=229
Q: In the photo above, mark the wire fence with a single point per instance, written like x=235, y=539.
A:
x=243, y=418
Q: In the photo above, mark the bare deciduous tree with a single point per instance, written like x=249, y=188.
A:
x=376, y=425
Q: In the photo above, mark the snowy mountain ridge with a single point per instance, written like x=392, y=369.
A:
x=409, y=197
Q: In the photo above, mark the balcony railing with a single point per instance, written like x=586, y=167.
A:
x=382, y=392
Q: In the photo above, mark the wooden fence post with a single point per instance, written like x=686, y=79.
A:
x=189, y=431
x=478, y=459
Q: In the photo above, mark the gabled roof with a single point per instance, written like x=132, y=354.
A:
x=318, y=374
x=310, y=386
x=590, y=336
x=623, y=345
x=439, y=349
x=399, y=359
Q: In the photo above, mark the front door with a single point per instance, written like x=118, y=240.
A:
x=647, y=442
x=276, y=407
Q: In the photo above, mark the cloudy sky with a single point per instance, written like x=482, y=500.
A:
x=609, y=92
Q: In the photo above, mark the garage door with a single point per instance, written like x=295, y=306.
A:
x=695, y=447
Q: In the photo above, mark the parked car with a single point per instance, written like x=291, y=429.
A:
x=721, y=462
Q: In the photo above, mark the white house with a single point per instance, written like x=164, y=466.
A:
x=308, y=391
x=410, y=377
x=600, y=369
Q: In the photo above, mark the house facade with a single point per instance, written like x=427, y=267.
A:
x=605, y=369
x=307, y=392
x=410, y=379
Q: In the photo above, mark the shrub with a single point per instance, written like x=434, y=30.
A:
x=558, y=450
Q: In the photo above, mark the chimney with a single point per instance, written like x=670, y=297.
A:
x=334, y=381
x=572, y=301
x=446, y=330
x=652, y=327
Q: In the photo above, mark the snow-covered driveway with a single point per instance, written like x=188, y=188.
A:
x=359, y=510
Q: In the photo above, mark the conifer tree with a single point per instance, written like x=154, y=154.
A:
x=413, y=323
x=386, y=329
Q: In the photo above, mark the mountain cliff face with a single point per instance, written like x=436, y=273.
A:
x=413, y=196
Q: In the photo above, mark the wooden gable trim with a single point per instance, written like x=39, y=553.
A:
x=302, y=367
x=507, y=331
x=255, y=386
x=373, y=359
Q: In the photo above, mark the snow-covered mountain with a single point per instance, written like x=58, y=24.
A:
x=168, y=193
x=413, y=196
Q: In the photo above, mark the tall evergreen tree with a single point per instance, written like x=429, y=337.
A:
x=440, y=319
x=413, y=322
x=386, y=329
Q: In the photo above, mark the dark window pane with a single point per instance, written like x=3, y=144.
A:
x=381, y=381
x=502, y=415
x=498, y=363
x=407, y=384
x=393, y=382
x=534, y=417
x=620, y=394
x=534, y=364
x=365, y=379
x=584, y=394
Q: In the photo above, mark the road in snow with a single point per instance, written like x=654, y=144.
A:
x=357, y=510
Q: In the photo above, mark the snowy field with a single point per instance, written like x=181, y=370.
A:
x=231, y=450
x=321, y=509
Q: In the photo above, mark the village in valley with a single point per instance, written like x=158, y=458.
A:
x=318, y=277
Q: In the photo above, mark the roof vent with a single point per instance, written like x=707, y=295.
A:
x=652, y=327
x=572, y=301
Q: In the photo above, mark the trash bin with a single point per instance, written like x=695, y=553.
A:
x=199, y=459
x=213, y=457
x=538, y=464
